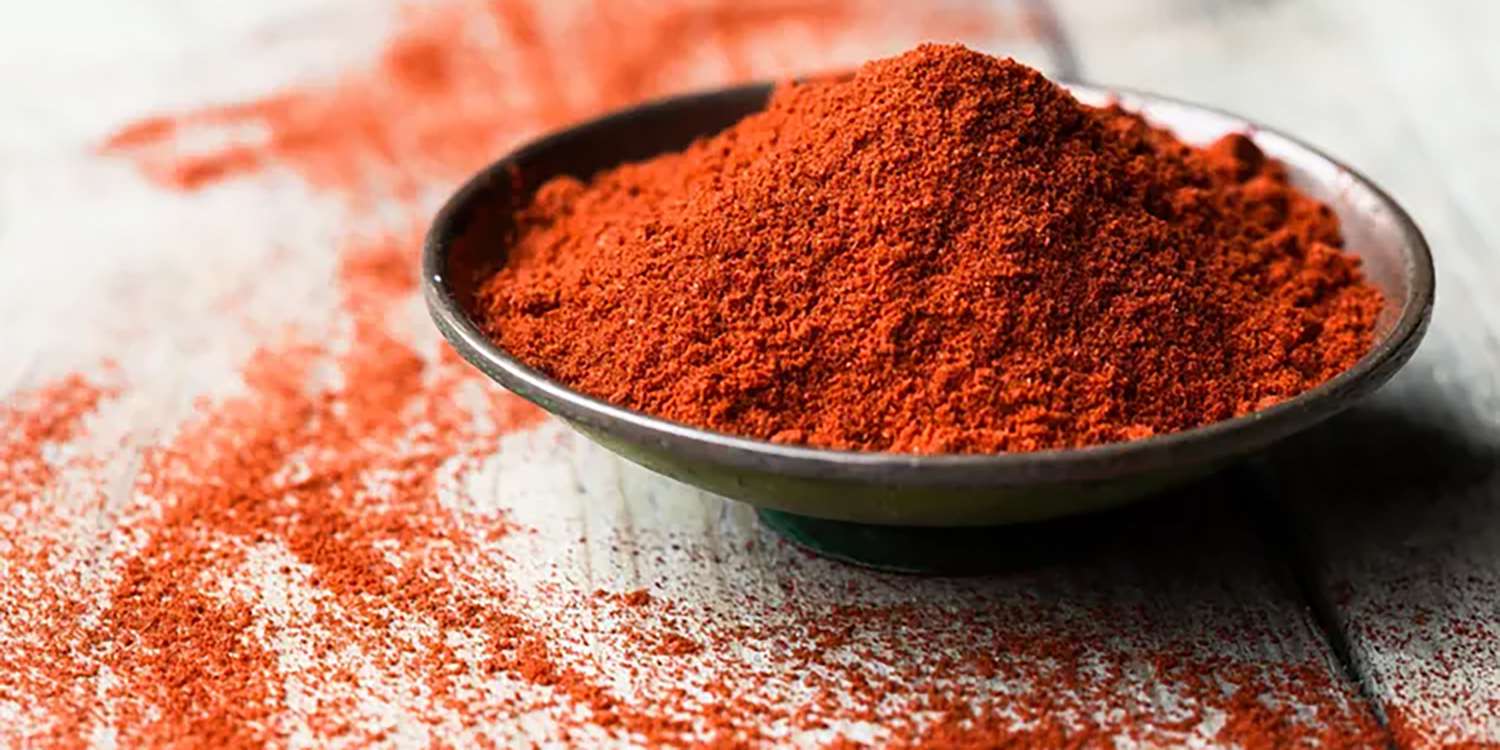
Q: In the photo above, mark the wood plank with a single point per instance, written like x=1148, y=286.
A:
x=1409, y=547
x=1397, y=504
x=1160, y=598
x=1170, y=624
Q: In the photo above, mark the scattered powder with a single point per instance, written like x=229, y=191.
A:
x=32, y=422
x=308, y=561
x=463, y=99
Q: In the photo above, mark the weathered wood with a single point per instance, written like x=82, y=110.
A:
x=1187, y=577
x=1398, y=505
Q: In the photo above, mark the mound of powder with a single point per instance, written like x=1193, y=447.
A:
x=944, y=252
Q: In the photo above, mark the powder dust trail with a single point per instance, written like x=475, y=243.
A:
x=333, y=457
x=49, y=415
x=342, y=476
x=463, y=81
x=300, y=563
x=39, y=601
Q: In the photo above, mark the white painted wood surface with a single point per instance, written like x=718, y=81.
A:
x=95, y=262
x=1398, y=506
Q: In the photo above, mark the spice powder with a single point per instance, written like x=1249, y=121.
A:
x=944, y=252
x=350, y=547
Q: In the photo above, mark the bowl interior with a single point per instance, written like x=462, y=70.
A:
x=473, y=230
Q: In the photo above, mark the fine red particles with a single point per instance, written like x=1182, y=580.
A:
x=299, y=521
x=944, y=252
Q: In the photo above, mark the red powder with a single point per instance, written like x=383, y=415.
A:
x=1411, y=733
x=302, y=562
x=29, y=423
x=943, y=253
x=462, y=100
x=344, y=478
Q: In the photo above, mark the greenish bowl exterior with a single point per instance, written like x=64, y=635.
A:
x=892, y=504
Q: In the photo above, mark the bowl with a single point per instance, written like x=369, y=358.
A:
x=816, y=495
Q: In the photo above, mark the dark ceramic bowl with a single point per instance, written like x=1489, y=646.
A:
x=468, y=241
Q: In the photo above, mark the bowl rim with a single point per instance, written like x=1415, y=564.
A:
x=1102, y=462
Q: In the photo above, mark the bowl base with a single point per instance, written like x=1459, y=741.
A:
x=945, y=550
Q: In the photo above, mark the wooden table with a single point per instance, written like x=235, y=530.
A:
x=1390, y=518
x=1369, y=549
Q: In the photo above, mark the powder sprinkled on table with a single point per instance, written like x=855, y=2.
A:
x=324, y=553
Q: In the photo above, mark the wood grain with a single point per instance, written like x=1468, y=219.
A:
x=1192, y=574
x=1184, y=580
x=1397, y=506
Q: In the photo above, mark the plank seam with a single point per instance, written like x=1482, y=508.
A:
x=1254, y=487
